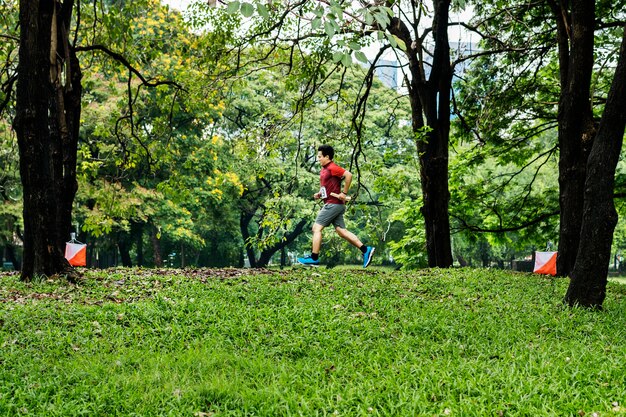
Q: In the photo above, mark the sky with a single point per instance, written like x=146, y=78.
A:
x=178, y=4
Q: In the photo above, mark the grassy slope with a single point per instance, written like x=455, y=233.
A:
x=308, y=342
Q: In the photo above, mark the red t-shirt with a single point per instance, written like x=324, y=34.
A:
x=330, y=177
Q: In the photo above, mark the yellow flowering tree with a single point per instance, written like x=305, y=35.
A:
x=154, y=145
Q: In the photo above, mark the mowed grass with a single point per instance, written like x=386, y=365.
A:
x=308, y=342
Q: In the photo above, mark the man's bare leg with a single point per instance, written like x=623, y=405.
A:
x=317, y=238
x=349, y=236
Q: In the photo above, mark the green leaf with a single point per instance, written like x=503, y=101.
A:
x=382, y=19
x=361, y=57
x=354, y=46
x=233, y=7
x=263, y=11
x=400, y=43
x=458, y=4
x=392, y=40
x=346, y=60
x=337, y=56
x=316, y=23
x=247, y=9
x=337, y=10
x=329, y=28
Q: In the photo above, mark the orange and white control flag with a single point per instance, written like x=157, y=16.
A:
x=76, y=253
x=545, y=263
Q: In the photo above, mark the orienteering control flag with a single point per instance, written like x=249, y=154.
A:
x=76, y=253
x=545, y=263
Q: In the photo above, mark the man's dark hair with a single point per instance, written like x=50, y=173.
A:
x=327, y=150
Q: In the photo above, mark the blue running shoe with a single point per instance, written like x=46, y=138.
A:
x=307, y=260
x=367, y=256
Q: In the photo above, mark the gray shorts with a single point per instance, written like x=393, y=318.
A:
x=331, y=213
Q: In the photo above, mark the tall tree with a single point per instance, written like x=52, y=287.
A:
x=585, y=32
x=589, y=275
x=572, y=44
x=48, y=110
x=430, y=105
x=575, y=23
x=47, y=123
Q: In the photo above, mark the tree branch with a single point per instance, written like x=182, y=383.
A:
x=122, y=60
x=13, y=38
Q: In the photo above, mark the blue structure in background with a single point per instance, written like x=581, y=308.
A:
x=387, y=72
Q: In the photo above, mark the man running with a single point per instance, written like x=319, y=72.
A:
x=334, y=198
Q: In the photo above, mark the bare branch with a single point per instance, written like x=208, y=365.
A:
x=122, y=60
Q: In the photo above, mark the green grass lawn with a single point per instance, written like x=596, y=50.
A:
x=308, y=342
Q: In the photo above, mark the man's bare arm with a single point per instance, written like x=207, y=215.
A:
x=347, y=180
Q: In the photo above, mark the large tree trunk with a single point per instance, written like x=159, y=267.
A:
x=434, y=151
x=589, y=277
x=431, y=98
x=575, y=34
x=45, y=124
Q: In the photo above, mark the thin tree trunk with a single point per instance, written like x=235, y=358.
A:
x=589, y=277
x=435, y=195
x=283, y=258
x=244, y=222
x=156, y=247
